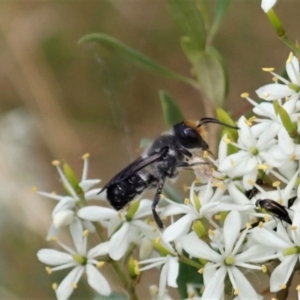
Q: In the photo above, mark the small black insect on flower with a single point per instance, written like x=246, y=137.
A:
x=275, y=209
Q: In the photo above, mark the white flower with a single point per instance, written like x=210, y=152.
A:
x=62, y=213
x=275, y=91
x=255, y=145
x=168, y=274
x=80, y=260
x=205, y=205
x=287, y=246
x=122, y=230
x=266, y=5
x=226, y=259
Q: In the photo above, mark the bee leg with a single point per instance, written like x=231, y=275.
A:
x=155, y=202
x=187, y=165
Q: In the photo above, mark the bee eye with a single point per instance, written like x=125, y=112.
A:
x=188, y=137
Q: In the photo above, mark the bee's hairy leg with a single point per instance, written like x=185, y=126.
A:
x=155, y=202
x=183, y=164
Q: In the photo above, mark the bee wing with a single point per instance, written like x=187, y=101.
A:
x=132, y=168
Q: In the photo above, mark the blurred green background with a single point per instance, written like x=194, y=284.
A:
x=60, y=100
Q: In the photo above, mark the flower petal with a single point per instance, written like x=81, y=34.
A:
x=266, y=5
x=199, y=249
x=119, y=242
x=53, y=257
x=232, y=228
x=215, y=288
x=65, y=289
x=179, y=228
x=96, y=213
x=246, y=291
x=282, y=273
x=97, y=281
x=173, y=271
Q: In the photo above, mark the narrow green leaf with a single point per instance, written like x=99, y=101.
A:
x=139, y=59
x=187, y=274
x=220, y=12
x=190, y=21
x=225, y=118
x=171, y=111
x=221, y=60
x=211, y=77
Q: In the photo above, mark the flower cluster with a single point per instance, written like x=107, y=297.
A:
x=243, y=216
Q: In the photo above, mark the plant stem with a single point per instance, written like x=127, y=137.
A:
x=190, y=262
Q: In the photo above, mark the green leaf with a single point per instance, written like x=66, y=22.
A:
x=190, y=21
x=211, y=77
x=139, y=59
x=221, y=9
x=221, y=60
x=171, y=111
x=225, y=118
x=187, y=274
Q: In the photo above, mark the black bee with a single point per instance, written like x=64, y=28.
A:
x=275, y=209
x=169, y=152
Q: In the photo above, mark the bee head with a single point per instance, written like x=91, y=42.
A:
x=192, y=134
x=189, y=136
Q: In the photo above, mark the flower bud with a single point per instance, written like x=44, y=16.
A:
x=146, y=249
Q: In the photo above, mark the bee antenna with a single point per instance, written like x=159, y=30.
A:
x=216, y=121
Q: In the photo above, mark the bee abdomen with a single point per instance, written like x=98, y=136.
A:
x=120, y=194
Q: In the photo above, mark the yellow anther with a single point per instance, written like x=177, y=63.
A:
x=268, y=69
x=262, y=167
x=211, y=232
x=53, y=238
x=247, y=122
x=273, y=298
x=56, y=162
x=264, y=268
x=185, y=187
x=261, y=224
x=217, y=217
x=286, y=99
x=251, y=181
x=162, y=196
x=191, y=295
x=232, y=163
x=298, y=287
x=282, y=286
x=248, y=225
x=266, y=95
x=74, y=285
x=200, y=271
x=244, y=95
x=227, y=140
x=266, y=218
x=236, y=292
x=290, y=58
x=85, y=156
x=280, y=201
x=276, y=183
x=186, y=201
x=252, y=119
x=274, y=79
x=157, y=240
x=85, y=232
x=33, y=189
x=293, y=157
x=54, y=286
x=293, y=227
x=48, y=270
x=205, y=154
x=100, y=264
